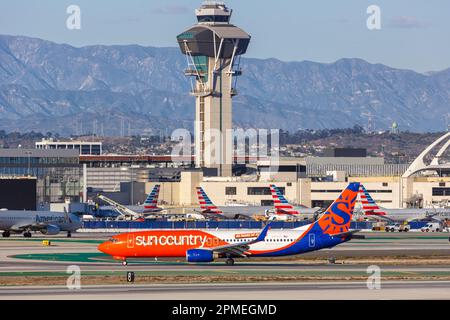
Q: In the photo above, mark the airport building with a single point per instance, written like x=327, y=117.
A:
x=317, y=181
x=57, y=172
x=83, y=147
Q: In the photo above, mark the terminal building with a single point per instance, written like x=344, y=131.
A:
x=57, y=172
x=83, y=147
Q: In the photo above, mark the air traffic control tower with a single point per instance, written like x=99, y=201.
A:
x=213, y=48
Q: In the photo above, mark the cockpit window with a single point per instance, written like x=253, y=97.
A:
x=113, y=240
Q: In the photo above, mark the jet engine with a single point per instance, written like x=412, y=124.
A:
x=199, y=255
x=50, y=230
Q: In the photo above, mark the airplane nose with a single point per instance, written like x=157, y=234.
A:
x=104, y=247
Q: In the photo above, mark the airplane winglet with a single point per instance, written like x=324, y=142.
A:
x=263, y=233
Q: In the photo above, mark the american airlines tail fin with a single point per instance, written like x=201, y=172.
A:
x=206, y=204
x=336, y=220
x=369, y=206
x=151, y=203
x=282, y=206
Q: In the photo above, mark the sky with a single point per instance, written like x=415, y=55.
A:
x=414, y=34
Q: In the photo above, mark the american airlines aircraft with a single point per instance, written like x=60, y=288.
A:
x=209, y=209
x=150, y=205
x=371, y=209
x=331, y=229
x=284, y=210
x=47, y=222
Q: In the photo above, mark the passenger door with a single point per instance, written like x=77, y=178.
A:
x=130, y=241
x=312, y=240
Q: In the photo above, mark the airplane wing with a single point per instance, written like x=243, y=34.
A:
x=377, y=216
x=287, y=212
x=29, y=226
x=240, y=249
x=21, y=226
x=212, y=215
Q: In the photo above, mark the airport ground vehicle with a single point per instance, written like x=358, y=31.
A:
x=432, y=227
x=397, y=227
x=198, y=245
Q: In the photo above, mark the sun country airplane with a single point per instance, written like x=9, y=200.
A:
x=284, y=210
x=47, y=222
x=150, y=205
x=210, y=210
x=200, y=246
x=372, y=210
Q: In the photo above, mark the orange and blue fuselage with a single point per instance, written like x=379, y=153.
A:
x=329, y=231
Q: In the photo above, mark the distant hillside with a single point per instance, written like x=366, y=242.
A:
x=119, y=89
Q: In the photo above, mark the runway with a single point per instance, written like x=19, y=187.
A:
x=405, y=257
x=259, y=291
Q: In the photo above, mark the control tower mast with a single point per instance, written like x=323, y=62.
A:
x=213, y=48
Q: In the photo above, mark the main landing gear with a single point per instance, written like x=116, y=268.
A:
x=124, y=263
x=6, y=234
x=27, y=234
x=69, y=234
x=229, y=262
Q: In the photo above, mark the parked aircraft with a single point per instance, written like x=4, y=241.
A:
x=150, y=205
x=372, y=210
x=209, y=209
x=47, y=222
x=285, y=211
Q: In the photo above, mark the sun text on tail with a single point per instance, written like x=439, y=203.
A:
x=338, y=216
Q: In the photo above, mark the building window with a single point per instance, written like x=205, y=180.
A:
x=230, y=191
x=441, y=184
x=262, y=191
x=258, y=191
x=441, y=192
x=385, y=184
x=289, y=184
x=267, y=203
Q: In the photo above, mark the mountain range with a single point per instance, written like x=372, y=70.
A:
x=131, y=89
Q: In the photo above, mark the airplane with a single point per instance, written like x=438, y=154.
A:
x=47, y=222
x=150, y=205
x=371, y=210
x=209, y=209
x=201, y=246
x=285, y=211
